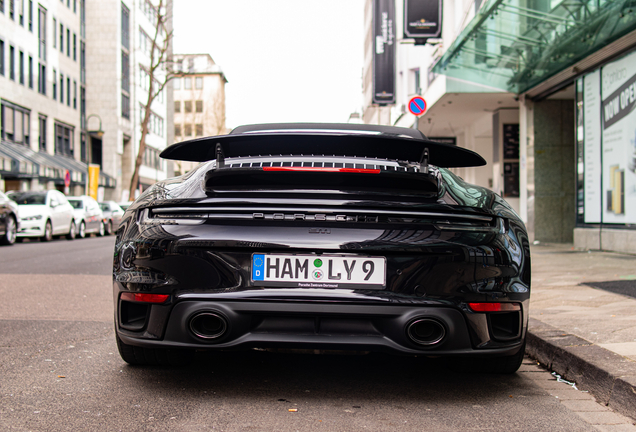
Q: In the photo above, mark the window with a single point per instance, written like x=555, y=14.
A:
x=199, y=106
x=148, y=10
x=61, y=88
x=125, y=72
x=125, y=85
x=54, y=32
x=42, y=79
x=151, y=158
x=198, y=82
x=1, y=56
x=63, y=139
x=54, y=84
x=11, y=63
x=75, y=46
x=42, y=33
x=187, y=83
x=62, y=38
x=82, y=62
x=11, y=11
x=42, y=131
x=68, y=91
x=145, y=42
x=177, y=83
x=187, y=106
x=30, y=72
x=31, y=16
x=144, y=78
x=125, y=106
x=83, y=18
x=155, y=122
x=21, y=68
x=177, y=130
x=15, y=123
x=187, y=130
x=68, y=42
x=177, y=106
x=21, y=12
x=125, y=26
x=198, y=130
x=74, y=94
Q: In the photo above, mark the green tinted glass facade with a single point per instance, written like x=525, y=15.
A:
x=514, y=45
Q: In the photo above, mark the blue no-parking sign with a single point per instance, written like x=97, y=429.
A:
x=417, y=105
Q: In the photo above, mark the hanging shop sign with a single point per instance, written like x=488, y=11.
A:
x=384, y=53
x=422, y=20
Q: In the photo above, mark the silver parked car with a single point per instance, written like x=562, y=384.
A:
x=88, y=216
x=112, y=215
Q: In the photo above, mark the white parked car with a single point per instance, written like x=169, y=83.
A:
x=44, y=214
x=88, y=216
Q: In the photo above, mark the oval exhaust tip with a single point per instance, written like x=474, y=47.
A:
x=208, y=325
x=425, y=331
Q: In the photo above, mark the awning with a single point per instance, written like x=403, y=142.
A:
x=26, y=163
x=514, y=45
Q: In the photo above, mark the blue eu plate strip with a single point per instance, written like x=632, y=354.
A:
x=258, y=267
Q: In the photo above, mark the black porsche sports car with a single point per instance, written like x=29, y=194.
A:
x=323, y=237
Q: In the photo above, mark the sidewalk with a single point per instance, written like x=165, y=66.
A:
x=585, y=334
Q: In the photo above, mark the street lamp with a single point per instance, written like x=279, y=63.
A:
x=99, y=133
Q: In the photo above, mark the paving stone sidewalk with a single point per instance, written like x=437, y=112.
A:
x=585, y=334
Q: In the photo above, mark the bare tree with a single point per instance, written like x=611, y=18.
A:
x=160, y=72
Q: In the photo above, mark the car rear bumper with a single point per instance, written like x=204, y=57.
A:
x=321, y=326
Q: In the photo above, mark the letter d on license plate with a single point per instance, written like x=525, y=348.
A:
x=319, y=271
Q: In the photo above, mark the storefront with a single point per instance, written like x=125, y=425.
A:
x=606, y=156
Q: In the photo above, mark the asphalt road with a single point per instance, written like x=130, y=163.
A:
x=60, y=370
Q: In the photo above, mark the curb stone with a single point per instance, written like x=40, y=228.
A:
x=609, y=377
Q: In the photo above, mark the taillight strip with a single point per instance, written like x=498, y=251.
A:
x=144, y=298
x=321, y=169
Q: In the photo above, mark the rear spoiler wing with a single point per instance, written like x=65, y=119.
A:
x=380, y=146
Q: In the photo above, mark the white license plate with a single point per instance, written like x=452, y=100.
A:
x=319, y=271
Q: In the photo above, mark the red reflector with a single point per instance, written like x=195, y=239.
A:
x=144, y=298
x=495, y=307
x=320, y=169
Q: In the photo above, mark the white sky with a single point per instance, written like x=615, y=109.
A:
x=285, y=60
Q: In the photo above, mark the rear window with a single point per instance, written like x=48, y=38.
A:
x=77, y=204
x=28, y=198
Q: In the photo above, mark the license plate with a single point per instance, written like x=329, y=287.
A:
x=318, y=271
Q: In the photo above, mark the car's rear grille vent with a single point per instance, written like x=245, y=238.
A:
x=305, y=164
x=171, y=215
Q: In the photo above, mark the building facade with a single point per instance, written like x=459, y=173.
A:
x=199, y=101
x=531, y=86
x=73, y=85
x=42, y=82
x=118, y=58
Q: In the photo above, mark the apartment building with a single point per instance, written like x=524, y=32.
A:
x=199, y=100
x=42, y=86
x=118, y=61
